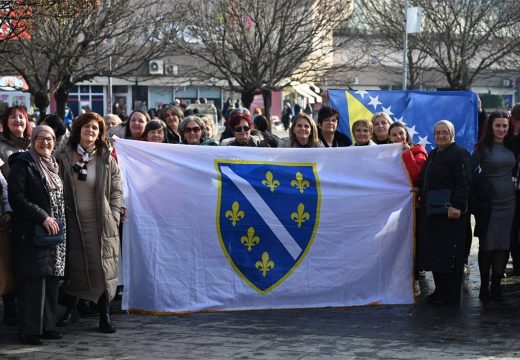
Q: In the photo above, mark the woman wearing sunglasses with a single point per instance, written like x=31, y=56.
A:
x=241, y=126
x=193, y=132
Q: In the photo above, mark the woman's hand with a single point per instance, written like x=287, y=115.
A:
x=51, y=226
x=406, y=147
x=123, y=214
x=453, y=213
x=5, y=220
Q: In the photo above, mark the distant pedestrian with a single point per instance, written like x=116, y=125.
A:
x=286, y=115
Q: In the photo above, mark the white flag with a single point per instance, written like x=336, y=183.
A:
x=214, y=228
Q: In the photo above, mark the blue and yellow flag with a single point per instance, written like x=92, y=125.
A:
x=418, y=110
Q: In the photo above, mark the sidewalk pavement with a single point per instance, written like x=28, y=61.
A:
x=420, y=331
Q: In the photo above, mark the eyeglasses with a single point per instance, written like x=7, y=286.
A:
x=194, y=130
x=42, y=140
x=242, y=128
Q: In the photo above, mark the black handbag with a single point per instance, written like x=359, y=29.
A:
x=438, y=202
x=42, y=238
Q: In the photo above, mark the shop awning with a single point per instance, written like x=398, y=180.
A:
x=304, y=90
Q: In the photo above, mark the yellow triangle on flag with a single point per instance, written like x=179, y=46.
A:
x=356, y=110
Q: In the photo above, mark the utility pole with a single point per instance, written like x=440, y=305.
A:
x=405, y=46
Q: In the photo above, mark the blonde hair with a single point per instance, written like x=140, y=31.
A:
x=209, y=121
x=363, y=123
x=383, y=115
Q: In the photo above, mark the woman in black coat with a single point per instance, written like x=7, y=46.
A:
x=443, y=235
x=36, y=197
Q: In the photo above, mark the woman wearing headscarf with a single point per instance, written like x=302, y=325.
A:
x=16, y=137
x=328, y=119
x=36, y=197
x=445, y=186
x=93, y=194
x=496, y=159
x=61, y=131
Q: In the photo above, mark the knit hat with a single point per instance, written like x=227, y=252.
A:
x=326, y=112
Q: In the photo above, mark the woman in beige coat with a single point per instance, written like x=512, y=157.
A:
x=93, y=204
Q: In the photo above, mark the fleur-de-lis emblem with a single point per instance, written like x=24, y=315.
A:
x=265, y=265
x=251, y=239
x=235, y=214
x=270, y=182
x=300, y=183
x=300, y=216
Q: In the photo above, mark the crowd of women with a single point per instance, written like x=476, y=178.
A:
x=50, y=174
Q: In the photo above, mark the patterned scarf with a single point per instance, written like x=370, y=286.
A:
x=48, y=165
x=81, y=166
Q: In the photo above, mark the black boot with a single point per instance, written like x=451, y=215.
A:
x=483, y=294
x=496, y=291
x=105, y=324
x=71, y=313
x=10, y=317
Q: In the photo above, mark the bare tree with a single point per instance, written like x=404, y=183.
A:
x=460, y=38
x=258, y=45
x=73, y=41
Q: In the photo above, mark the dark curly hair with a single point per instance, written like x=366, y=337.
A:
x=75, y=134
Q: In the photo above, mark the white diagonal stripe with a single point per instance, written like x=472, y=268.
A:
x=265, y=212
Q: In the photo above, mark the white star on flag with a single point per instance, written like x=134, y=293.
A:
x=423, y=141
x=400, y=119
x=412, y=131
x=374, y=101
x=362, y=93
x=388, y=110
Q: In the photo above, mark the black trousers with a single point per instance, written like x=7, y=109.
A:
x=448, y=286
x=37, y=303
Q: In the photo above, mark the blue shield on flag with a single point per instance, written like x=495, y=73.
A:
x=267, y=217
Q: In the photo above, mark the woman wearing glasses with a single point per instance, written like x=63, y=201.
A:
x=445, y=186
x=328, y=133
x=36, y=196
x=241, y=126
x=193, y=132
x=93, y=195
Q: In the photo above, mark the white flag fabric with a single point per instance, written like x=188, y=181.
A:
x=228, y=228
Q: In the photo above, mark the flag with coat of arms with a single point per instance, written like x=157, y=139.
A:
x=418, y=110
